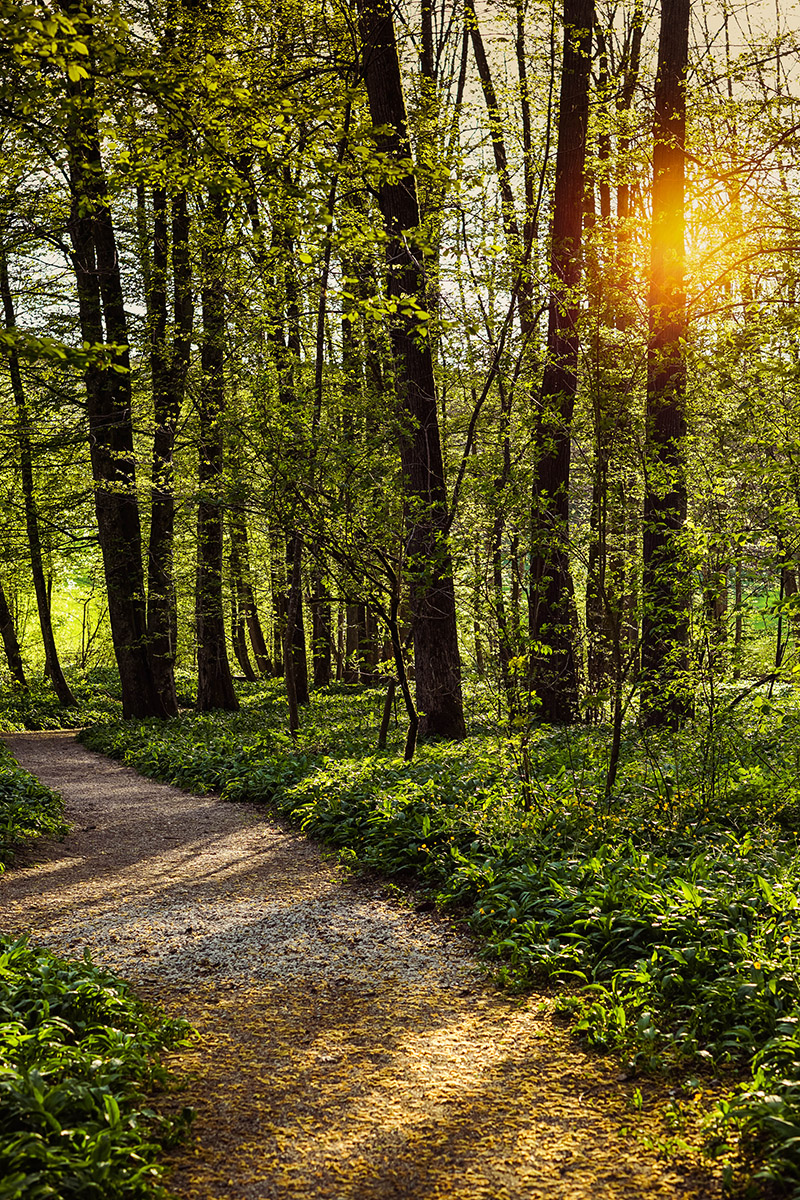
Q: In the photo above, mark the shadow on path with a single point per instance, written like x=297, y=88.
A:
x=347, y=1048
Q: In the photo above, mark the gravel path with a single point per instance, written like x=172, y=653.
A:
x=349, y=1047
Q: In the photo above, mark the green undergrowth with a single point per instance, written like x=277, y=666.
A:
x=38, y=707
x=28, y=809
x=670, y=911
x=78, y=1057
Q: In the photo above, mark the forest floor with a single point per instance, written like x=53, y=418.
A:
x=348, y=1047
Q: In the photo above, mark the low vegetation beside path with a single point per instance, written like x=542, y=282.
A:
x=78, y=1053
x=27, y=808
x=670, y=910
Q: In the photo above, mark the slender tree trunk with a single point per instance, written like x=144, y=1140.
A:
x=294, y=549
x=666, y=588
x=238, y=626
x=10, y=643
x=321, y=629
x=352, y=672
x=429, y=562
x=552, y=610
x=169, y=359
x=52, y=663
x=247, y=600
x=477, y=605
x=341, y=617
x=214, y=682
x=294, y=561
x=278, y=589
x=108, y=395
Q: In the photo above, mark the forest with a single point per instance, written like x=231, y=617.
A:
x=400, y=429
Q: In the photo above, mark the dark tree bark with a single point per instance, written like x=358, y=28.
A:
x=294, y=562
x=108, y=395
x=238, y=620
x=246, y=595
x=283, y=335
x=10, y=642
x=169, y=364
x=52, y=663
x=214, y=682
x=321, y=629
x=505, y=639
x=552, y=603
x=429, y=563
x=278, y=589
x=340, y=639
x=665, y=698
x=238, y=627
x=352, y=672
x=613, y=505
x=299, y=651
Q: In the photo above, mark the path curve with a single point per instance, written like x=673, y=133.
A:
x=349, y=1048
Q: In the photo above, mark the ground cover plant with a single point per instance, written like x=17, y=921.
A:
x=78, y=1052
x=28, y=809
x=669, y=911
x=36, y=706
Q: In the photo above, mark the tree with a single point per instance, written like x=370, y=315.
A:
x=214, y=683
x=436, y=653
x=103, y=325
x=52, y=663
x=665, y=581
x=552, y=610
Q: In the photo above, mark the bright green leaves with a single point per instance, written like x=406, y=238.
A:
x=76, y=1049
x=27, y=808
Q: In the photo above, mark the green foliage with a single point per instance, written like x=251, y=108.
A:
x=77, y=1053
x=27, y=808
x=38, y=707
x=671, y=912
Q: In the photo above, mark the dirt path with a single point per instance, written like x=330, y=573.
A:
x=349, y=1048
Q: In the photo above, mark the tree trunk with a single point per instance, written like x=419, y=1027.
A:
x=321, y=629
x=278, y=589
x=52, y=663
x=169, y=364
x=666, y=590
x=247, y=600
x=214, y=682
x=352, y=672
x=294, y=558
x=108, y=398
x=238, y=627
x=552, y=609
x=429, y=562
x=10, y=643
x=294, y=549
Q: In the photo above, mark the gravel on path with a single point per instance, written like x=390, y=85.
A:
x=349, y=1048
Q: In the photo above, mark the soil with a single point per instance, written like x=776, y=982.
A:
x=347, y=1047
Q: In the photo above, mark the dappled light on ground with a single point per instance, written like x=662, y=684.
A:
x=348, y=1048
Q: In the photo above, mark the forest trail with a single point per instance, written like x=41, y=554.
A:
x=349, y=1048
